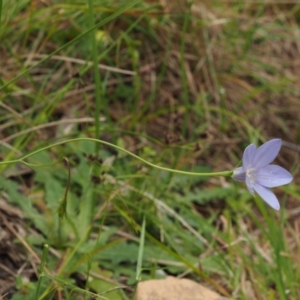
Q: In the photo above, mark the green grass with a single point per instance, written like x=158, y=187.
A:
x=182, y=87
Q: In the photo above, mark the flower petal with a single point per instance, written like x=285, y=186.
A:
x=249, y=186
x=248, y=156
x=267, y=195
x=272, y=175
x=266, y=153
x=239, y=174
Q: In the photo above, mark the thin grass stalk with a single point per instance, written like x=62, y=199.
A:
x=183, y=72
x=1, y=4
x=141, y=251
x=98, y=89
x=90, y=201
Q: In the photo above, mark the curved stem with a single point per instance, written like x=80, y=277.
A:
x=9, y=162
x=224, y=173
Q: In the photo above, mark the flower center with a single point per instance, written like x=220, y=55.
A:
x=250, y=173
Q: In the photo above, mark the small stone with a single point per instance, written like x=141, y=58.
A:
x=173, y=288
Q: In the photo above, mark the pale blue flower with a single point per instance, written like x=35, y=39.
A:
x=259, y=175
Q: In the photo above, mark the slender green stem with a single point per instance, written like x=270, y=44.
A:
x=183, y=68
x=9, y=162
x=89, y=204
x=96, y=73
x=41, y=271
x=1, y=3
x=21, y=160
x=141, y=252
